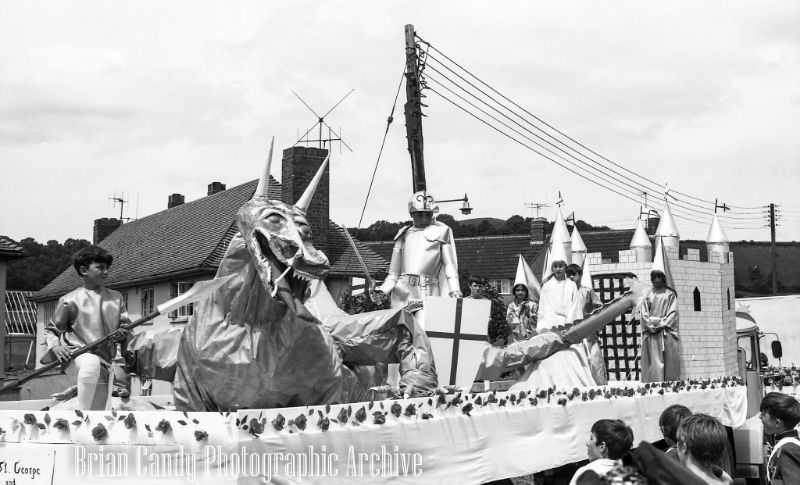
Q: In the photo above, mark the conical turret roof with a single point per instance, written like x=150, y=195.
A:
x=716, y=233
x=640, y=238
x=661, y=263
x=560, y=231
x=577, y=241
x=667, y=226
x=526, y=277
x=586, y=277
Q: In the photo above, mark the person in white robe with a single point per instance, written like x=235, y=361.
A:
x=559, y=305
x=589, y=302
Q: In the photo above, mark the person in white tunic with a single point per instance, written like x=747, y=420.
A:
x=559, y=305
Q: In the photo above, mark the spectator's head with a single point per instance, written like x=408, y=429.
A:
x=92, y=265
x=520, y=291
x=609, y=438
x=669, y=421
x=701, y=438
x=574, y=272
x=779, y=412
x=477, y=286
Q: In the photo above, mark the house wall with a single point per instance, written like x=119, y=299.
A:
x=708, y=336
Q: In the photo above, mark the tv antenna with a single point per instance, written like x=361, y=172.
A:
x=332, y=135
x=535, y=206
x=121, y=200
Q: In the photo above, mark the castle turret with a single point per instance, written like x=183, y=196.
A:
x=717, y=242
x=560, y=247
x=640, y=243
x=667, y=231
x=578, y=247
x=561, y=236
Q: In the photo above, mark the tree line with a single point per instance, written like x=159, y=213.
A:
x=385, y=230
x=42, y=263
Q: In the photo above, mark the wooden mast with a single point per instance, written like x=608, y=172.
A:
x=413, y=112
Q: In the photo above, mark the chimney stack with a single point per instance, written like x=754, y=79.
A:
x=652, y=225
x=299, y=165
x=175, y=200
x=538, y=229
x=215, y=187
x=103, y=228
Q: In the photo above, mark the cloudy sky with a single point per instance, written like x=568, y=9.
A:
x=155, y=98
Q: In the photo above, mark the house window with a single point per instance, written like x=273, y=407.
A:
x=177, y=289
x=147, y=299
x=729, y=298
x=697, y=306
x=503, y=286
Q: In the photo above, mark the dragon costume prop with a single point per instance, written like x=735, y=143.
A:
x=271, y=336
x=253, y=343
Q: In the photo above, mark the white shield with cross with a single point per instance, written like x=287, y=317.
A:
x=457, y=331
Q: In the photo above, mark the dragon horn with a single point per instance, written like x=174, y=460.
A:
x=305, y=200
x=263, y=182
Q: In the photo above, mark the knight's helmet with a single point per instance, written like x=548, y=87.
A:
x=422, y=201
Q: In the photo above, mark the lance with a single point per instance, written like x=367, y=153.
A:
x=370, y=283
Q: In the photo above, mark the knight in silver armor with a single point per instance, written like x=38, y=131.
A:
x=424, y=257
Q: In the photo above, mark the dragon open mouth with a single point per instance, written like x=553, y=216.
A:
x=285, y=280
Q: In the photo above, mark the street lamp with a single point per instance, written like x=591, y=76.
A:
x=465, y=208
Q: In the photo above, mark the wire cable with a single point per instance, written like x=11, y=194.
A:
x=431, y=47
x=609, y=178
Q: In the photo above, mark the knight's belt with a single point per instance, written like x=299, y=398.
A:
x=420, y=279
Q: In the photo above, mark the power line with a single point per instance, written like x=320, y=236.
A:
x=612, y=180
x=743, y=208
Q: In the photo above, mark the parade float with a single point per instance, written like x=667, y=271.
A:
x=273, y=382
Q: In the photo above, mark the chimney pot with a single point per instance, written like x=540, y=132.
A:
x=103, y=228
x=215, y=187
x=175, y=200
x=538, y=230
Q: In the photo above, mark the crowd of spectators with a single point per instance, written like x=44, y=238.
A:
x=696, y=451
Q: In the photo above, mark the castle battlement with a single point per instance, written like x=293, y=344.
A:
x=705, y=288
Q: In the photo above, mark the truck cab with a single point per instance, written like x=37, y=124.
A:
x=749, y=438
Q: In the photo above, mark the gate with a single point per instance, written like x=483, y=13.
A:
x=620, y=339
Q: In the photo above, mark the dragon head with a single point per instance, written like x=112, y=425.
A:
x=278, y=238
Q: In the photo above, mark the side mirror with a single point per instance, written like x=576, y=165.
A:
x=777, y=349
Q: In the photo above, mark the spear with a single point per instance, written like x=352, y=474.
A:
x=196, y=293
x=369, y=282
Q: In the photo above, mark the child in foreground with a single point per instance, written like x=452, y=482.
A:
x=84, y=315
x=609, y=441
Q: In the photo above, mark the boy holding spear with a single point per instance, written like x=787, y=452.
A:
x=85, y=315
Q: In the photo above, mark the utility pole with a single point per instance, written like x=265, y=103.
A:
x=413, y=112
x=773, y=250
